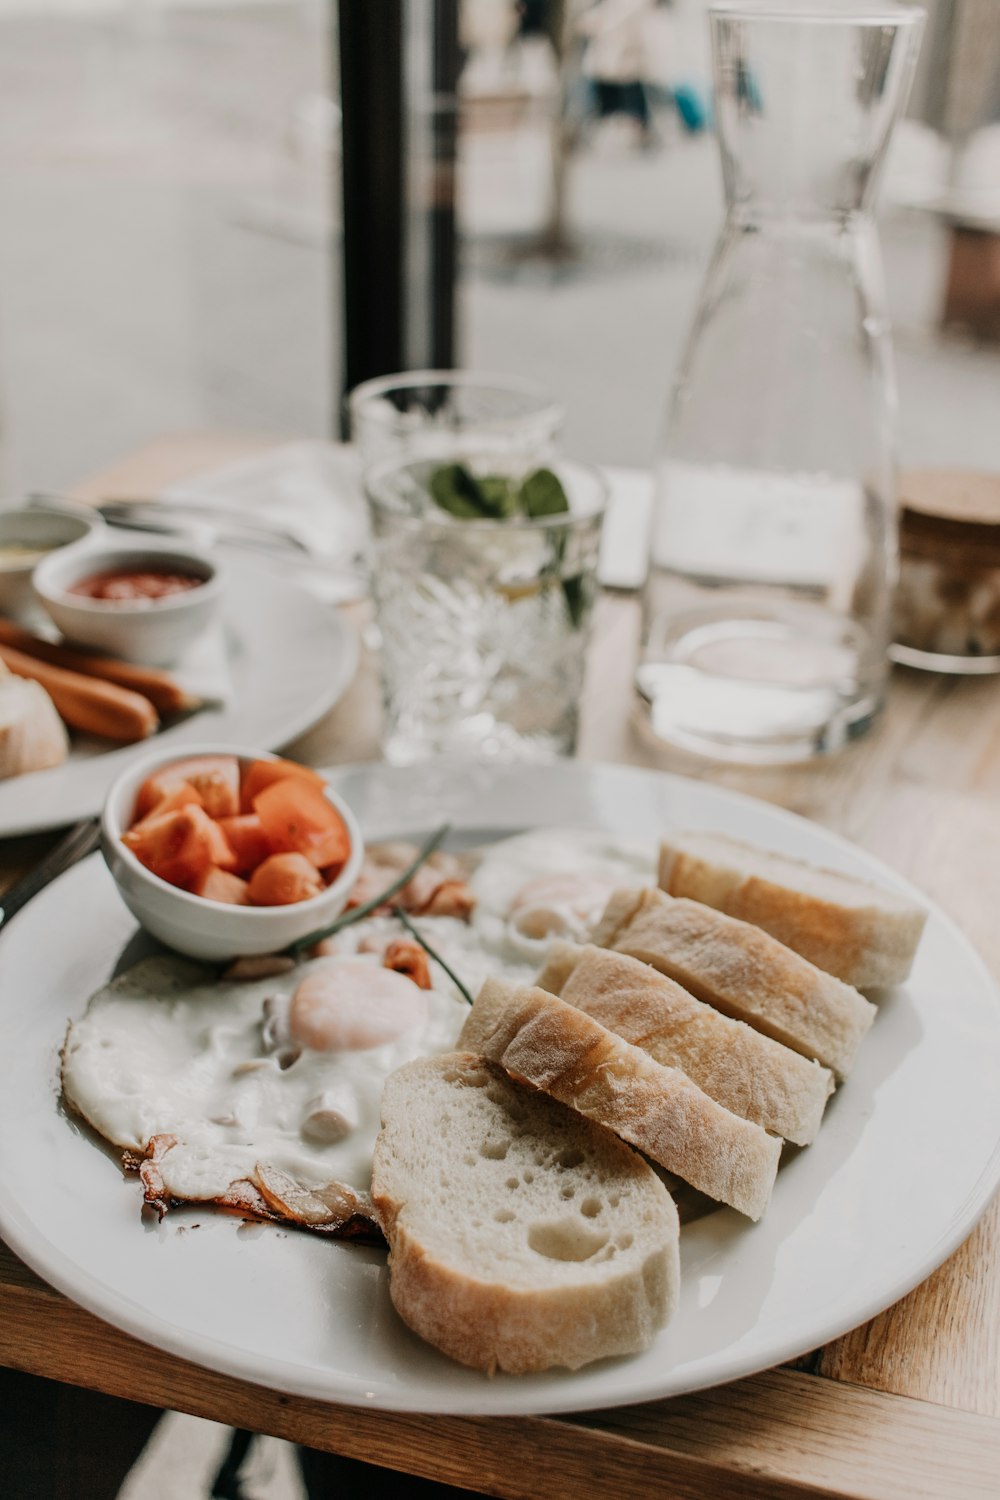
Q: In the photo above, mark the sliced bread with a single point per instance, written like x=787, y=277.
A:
x=539, y=1038
x=747, y=1073
x=863, y=934
x=742, y=971
x=521, y=1235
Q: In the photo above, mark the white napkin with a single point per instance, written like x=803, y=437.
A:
x=310, y=489
x=203, y=670
x=624, y=557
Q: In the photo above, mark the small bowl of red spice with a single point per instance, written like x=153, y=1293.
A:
x=143, y=603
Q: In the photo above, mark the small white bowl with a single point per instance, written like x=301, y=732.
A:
x=152, y=631
x=40, y=533
x=191, y=924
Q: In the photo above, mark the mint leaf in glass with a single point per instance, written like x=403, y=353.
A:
x=455, y=490
x=498, y=496
x=542, y=494
x=495, y=497
x=575, y=594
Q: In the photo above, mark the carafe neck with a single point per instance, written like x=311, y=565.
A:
x=807, y=98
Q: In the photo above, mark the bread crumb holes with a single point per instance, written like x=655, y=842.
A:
x=494, y=1150
x=567, y=1160
x=565, y=1239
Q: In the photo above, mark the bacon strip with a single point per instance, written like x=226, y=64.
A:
x=336, y=1209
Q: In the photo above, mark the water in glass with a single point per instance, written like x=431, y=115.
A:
x=483, y=623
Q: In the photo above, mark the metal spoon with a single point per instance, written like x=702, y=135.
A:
x=168, y=518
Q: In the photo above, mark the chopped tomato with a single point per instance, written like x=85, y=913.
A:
x=221, y=885
x=247, y=839
x=181, y=796
x=283, y=879
x=286, y=846
x=298, y=817
x=216, y=779
x=261, y=774
x=180, y=846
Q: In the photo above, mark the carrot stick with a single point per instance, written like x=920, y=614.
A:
x=87, y=703
x=162, y=690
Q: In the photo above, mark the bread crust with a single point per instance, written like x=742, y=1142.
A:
x=747, y=1073
x=538, y=1037
x=491, y=1327
x=742, y=971
x=512, y=1308
x=863, y=935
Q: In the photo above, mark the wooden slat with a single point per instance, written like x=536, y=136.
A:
x=942, y=1342
x=14, y=1274
x=785, y=1435
x=166, y=460
x=21, y=855
x=785, y=1427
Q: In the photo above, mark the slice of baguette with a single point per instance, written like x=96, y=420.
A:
x=742, y=971
x=747, y=1073
x=521, y=1236
x=864, y=935
x=539, y=1038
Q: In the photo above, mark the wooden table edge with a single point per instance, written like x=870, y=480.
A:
x=785, y=1434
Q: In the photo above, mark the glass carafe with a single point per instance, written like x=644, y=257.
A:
x=774, y=536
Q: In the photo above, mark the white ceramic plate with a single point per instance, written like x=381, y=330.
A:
x=290, y=657
x=905, y=1162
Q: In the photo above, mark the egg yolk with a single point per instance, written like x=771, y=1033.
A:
x=352, y=1005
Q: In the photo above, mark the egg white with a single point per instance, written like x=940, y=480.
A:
x=600, y=860
x=165, y=1049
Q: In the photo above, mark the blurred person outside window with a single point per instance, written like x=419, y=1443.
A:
x=618, y=60
x=534, y=18
x=487, y=29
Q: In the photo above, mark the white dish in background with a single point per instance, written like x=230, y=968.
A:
x=290, y=657
x=44, y=533
x=888, y=1190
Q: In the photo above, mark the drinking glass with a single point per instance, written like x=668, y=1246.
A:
x=453, y=414
x=484, y=622
x=766, y=613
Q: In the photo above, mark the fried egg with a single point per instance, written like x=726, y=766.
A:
x=551, y=883
x=285, y=1072
x=227, y=1086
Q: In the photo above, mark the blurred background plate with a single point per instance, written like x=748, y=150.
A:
x=290, y=657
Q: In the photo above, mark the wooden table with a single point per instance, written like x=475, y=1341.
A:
x=908, y=1405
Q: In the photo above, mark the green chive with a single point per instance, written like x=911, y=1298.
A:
x=356, y=913
x=398, y=911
